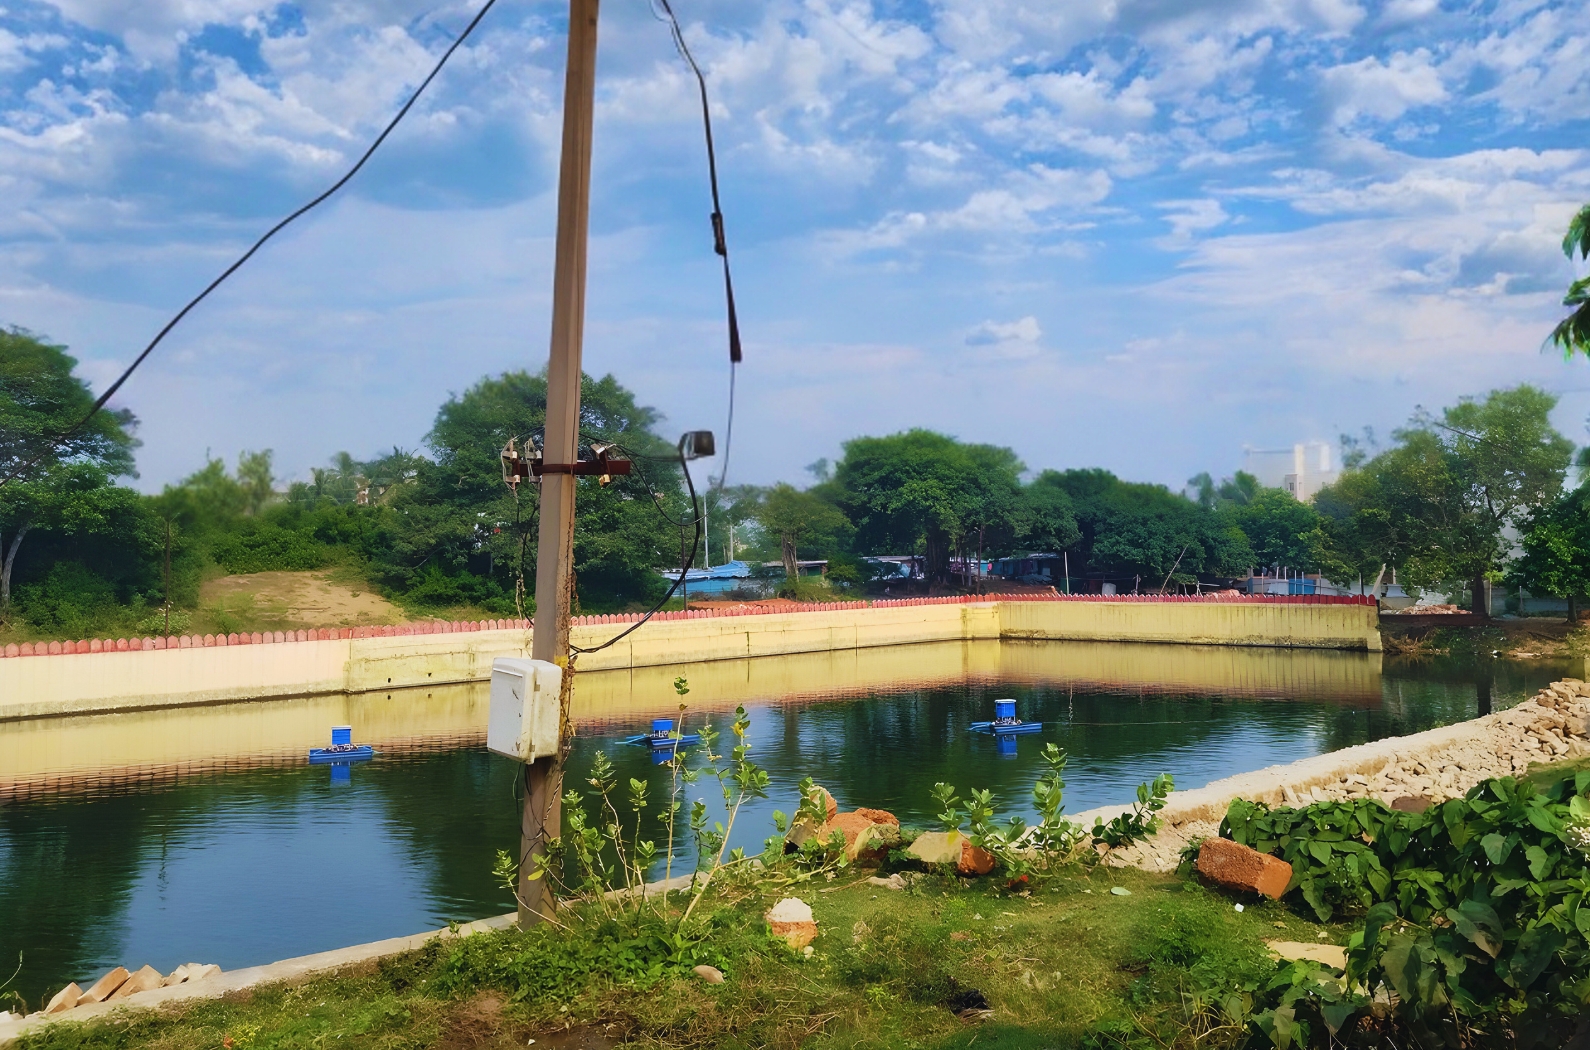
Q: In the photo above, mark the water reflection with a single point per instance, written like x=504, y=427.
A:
x=201, y=834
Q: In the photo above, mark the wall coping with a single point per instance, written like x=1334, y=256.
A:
x=435, y=627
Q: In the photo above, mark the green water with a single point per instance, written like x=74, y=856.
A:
x=241, y=868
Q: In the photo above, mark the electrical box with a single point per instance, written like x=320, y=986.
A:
x=523, y=723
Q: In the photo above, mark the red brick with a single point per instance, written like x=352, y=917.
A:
x=1233, y=866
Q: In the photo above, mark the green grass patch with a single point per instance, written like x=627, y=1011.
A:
x=1069, y=965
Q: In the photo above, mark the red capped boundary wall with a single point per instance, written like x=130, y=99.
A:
x=435, y=627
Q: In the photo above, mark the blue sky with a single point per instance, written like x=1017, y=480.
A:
x=1137, y=234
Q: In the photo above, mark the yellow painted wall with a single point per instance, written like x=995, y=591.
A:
x=47, y=686
x=1196, y=623
x=49, y=755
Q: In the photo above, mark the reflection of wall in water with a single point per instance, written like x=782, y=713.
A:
x=50, y=754
x=44, y=756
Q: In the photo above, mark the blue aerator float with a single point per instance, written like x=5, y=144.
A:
x=342, y=748
x=1005, y=721
x=663, y=738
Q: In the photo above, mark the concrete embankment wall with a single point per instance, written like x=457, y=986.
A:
x=144, y=673
x=49, y=756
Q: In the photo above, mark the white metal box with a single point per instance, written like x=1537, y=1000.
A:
x=523, y=723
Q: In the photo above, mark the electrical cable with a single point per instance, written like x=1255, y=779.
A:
x=720, y=244
x=273, y=231
x=689, y=562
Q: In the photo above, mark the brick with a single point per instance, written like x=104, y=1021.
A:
x=144, y=980
x=64, y=999
x=100, y=990
x=1233, y=866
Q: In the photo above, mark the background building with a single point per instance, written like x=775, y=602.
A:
x=1302, y=470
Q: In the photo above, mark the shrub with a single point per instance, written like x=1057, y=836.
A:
x=1477, y=922
x=268, y=547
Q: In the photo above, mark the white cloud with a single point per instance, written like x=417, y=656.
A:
x=992, y=333
x=1188, y=218
x=1383, y=90
x=891, y=173
x=1028, y=202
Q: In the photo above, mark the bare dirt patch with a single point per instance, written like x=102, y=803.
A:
x=291, y=600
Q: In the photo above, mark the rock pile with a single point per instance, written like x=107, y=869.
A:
x=1551, y=725
x=868, y=833
x=118, y=984
x=1409, y=773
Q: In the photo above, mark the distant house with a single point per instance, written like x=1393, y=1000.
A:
x=1030, y=568
x=740, y=576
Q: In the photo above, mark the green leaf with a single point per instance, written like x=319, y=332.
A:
x=1337, y=1014
x=1496, y=847
x=1403, y=965
x=1480, y=924
x=1535, y=950
x=1542, y=818
x=1539, y=862
x=1321, y=851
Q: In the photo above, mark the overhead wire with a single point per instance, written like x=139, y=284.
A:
x=688, y=564
x=110, y=392
x=720, y=243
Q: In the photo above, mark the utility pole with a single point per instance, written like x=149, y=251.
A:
x=542, y=816
x=167, y=594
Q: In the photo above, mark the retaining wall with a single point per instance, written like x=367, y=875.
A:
x=64, y=678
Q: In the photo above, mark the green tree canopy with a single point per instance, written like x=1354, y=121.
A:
x=1573, y=332
x=1435, y=504
x=925, y=491
x=56, y=480
x=1556, y=549
x=1146, y=532
x=796, y=518
x=460, y=507
x=1277, y=526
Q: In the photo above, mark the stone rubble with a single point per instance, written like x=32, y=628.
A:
x=118, y=984
x=1411, y=774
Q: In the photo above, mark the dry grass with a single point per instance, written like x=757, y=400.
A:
x=279, y=601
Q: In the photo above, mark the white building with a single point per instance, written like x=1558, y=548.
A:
x=1302, y=470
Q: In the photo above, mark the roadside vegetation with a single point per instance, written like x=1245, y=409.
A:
x=1464, y=925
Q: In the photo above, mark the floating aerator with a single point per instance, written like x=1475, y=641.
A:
x=1005, y=721
x=663, y=738
x=342, y=749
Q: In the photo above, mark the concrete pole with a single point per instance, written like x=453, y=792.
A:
x=542, y=815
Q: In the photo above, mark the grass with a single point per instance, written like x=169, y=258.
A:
x=1069, y=965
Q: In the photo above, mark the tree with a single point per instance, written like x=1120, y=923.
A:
x=1436, y=503
x=1146, y=532
x=1052, y=522
x=1277, y=526
x=53, y=478
x=1556, y=550
x=924, y=490
x=1573, y=332
x=796, y=517
x=460, y=512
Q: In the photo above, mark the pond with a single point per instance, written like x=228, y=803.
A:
x=201, y=834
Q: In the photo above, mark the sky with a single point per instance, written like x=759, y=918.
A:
x=1135, y=234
